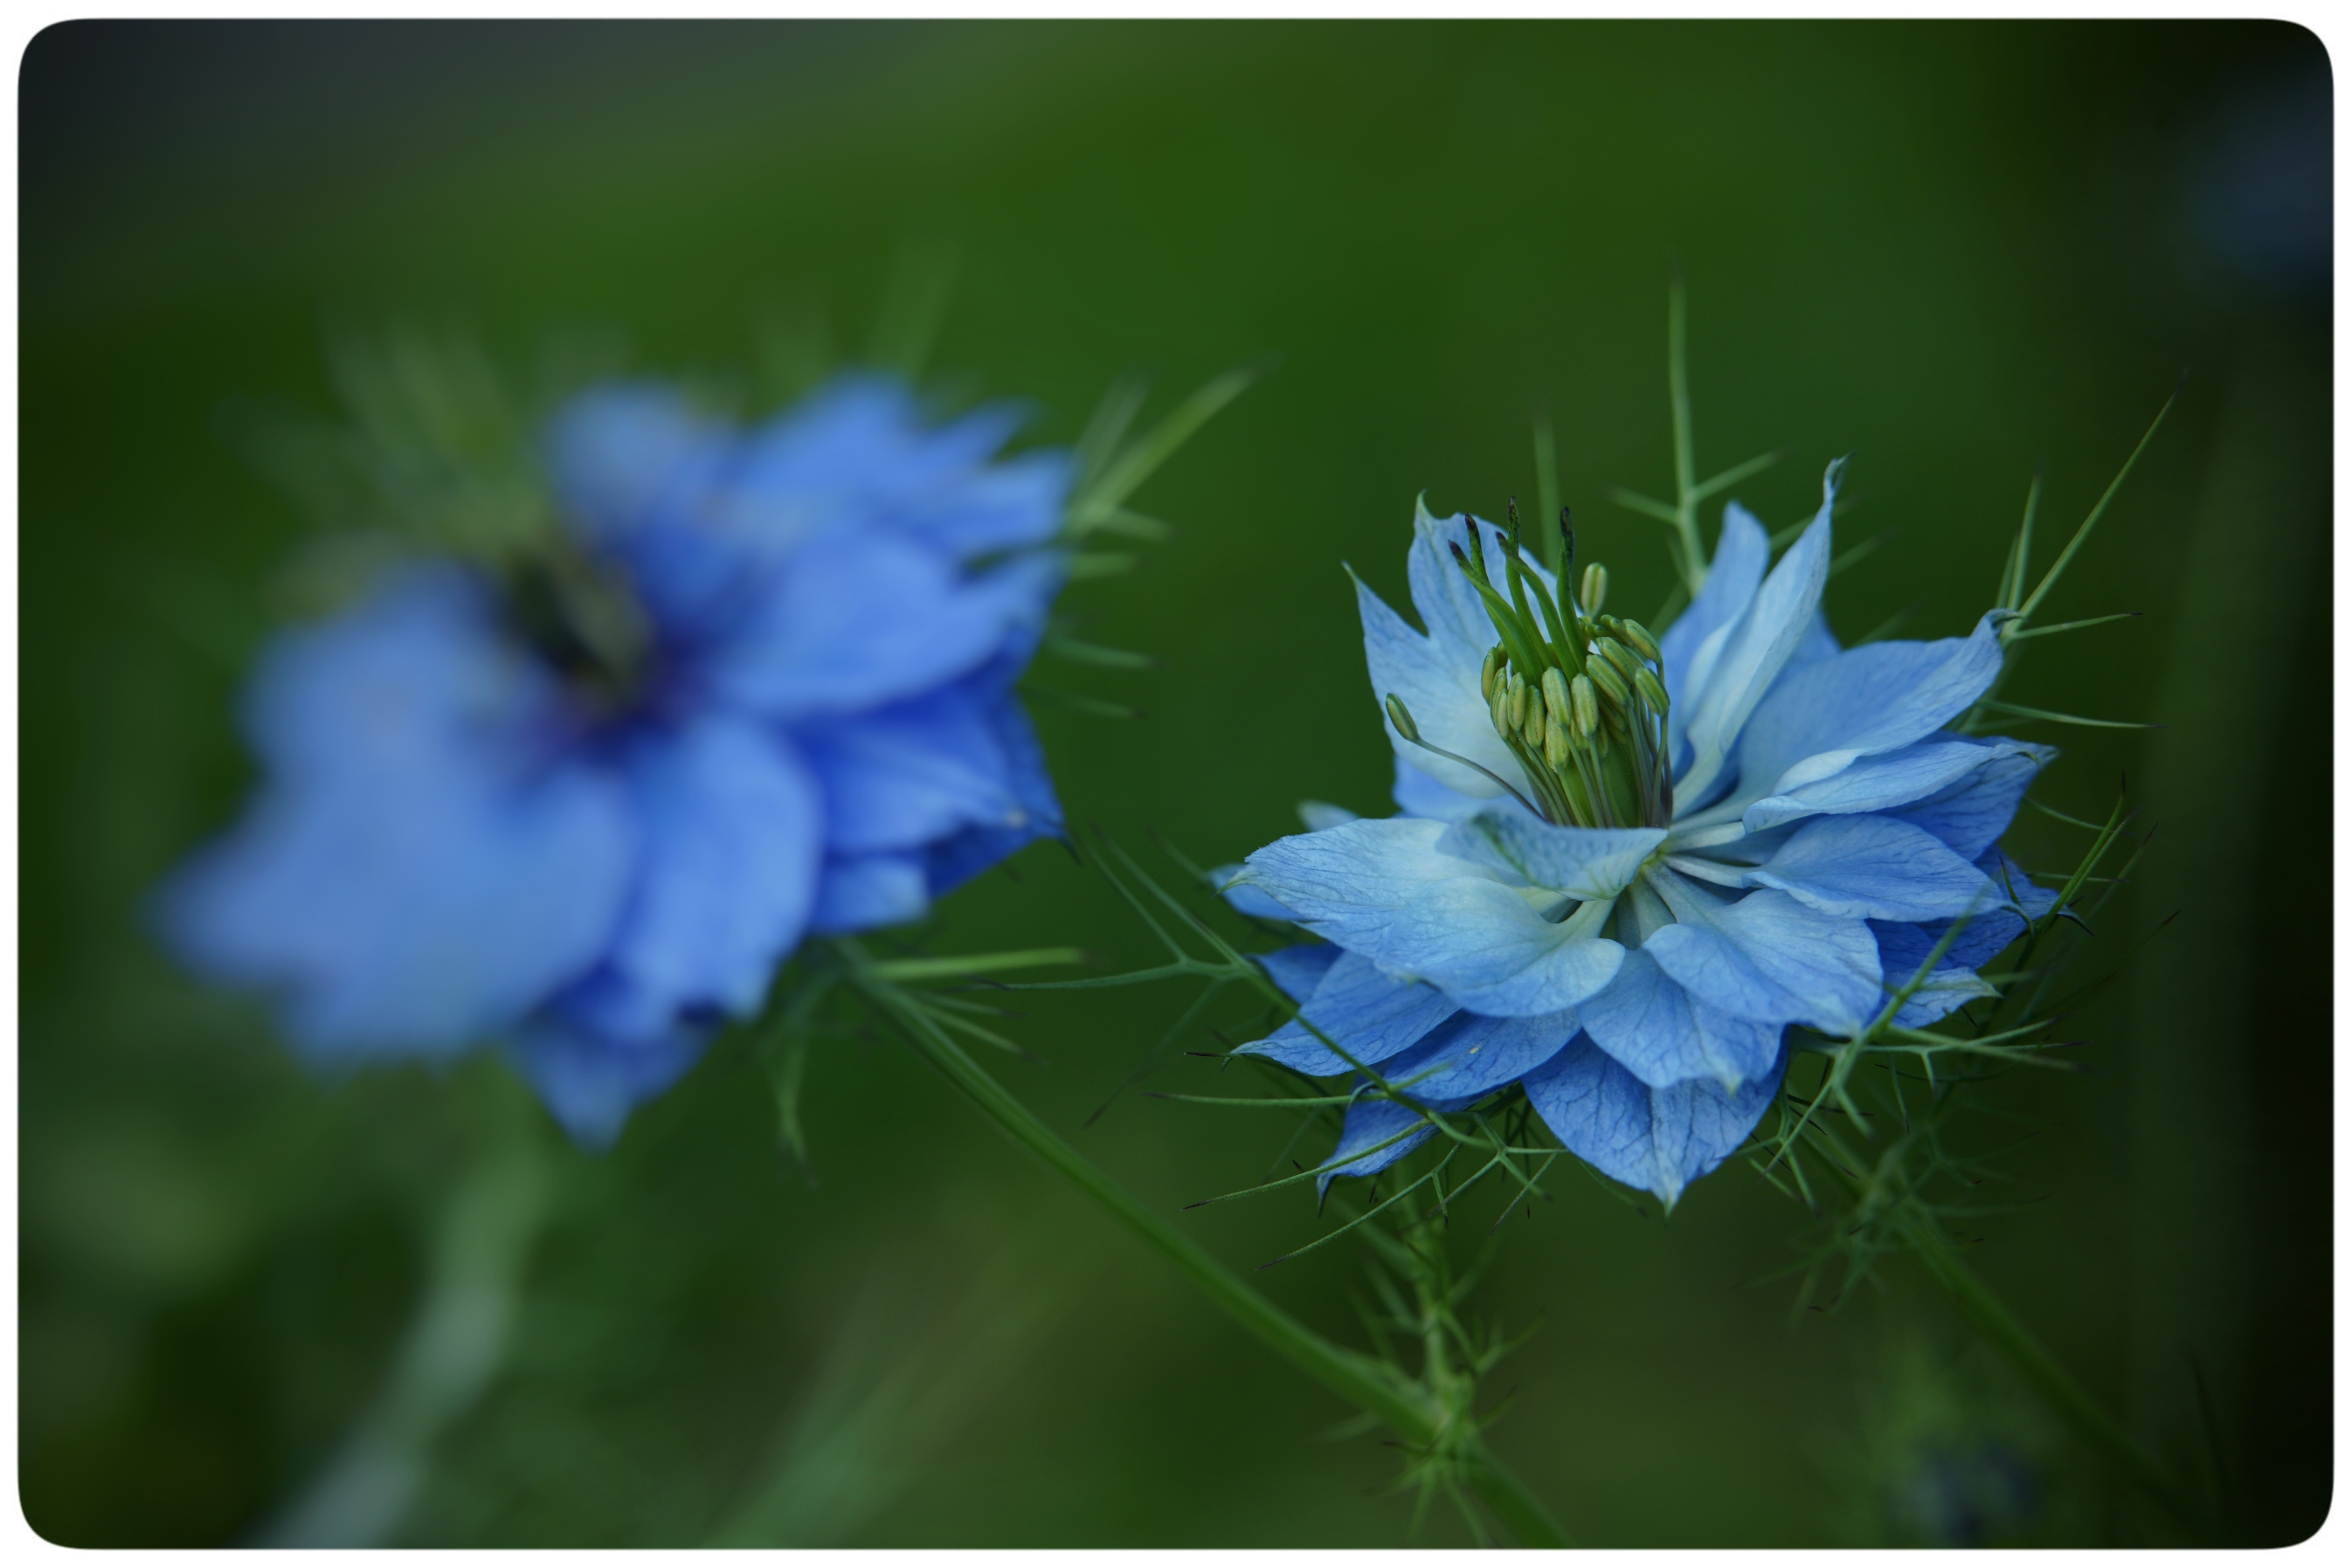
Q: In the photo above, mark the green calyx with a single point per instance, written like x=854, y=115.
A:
x=1578, y=696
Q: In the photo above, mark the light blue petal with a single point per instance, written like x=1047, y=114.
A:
x=1350, y=883
x=1418, y=795
x=1767, y=957
x=731, y=829
x=1583, y=863
x=1472, y=1056
x=1663, y=1037
x=1298, y=970
x=1819, y=642
x=1486, y=947
x=1729, y=679
x=863, y=893
x=1881, y=783
x=1971, y=814
x=1246, y=898
x=1440, y=684
x=1657, y=1139
x=626, y=457
x=1874, y=868
x=1741, y=553
x=412, y=875
x=1367, y=1013
x=1865, y=701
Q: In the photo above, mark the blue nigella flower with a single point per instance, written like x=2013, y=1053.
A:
x=1626, y=866
x=756, y=685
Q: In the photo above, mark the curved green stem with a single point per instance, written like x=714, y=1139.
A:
x=1357, y=1378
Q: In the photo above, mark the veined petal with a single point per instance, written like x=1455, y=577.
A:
x=1583, y=863
x=1865, y=701
x=1766, y=958
x=1971, y=814
x=1881, y=783
x=1663, y=1036
x=1246, y=898
x=1755, y=650
x=1741, y=554
x=1298, y=970
x=1440, y=687
x=1368, y=1014
x=1658, y=1139
x=1472, y=1055
x=1874, y=868
x=1486, y=947
x=1351, y=882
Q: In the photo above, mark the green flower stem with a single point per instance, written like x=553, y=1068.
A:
x=1357, y=1378
x=1991, y=1318
x=455, y=1347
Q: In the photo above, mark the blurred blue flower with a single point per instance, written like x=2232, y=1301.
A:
x=1625, y=865
x=757, y=684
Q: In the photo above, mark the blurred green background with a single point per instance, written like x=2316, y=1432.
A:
x=1959, y=251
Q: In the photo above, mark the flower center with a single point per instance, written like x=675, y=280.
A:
x=582, y=617
x=1576, y=695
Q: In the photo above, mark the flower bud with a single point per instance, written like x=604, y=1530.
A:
x=1596, y=587
x=1490, y=671
x=1402, y=716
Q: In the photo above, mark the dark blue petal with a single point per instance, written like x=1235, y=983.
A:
x=1658, y=1139
x=863, y=619
x=1035, y=811
x=1972, y=813
x=1370, y=1121
x=731, y=829
x=592, y=1079
x=1298, y=970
